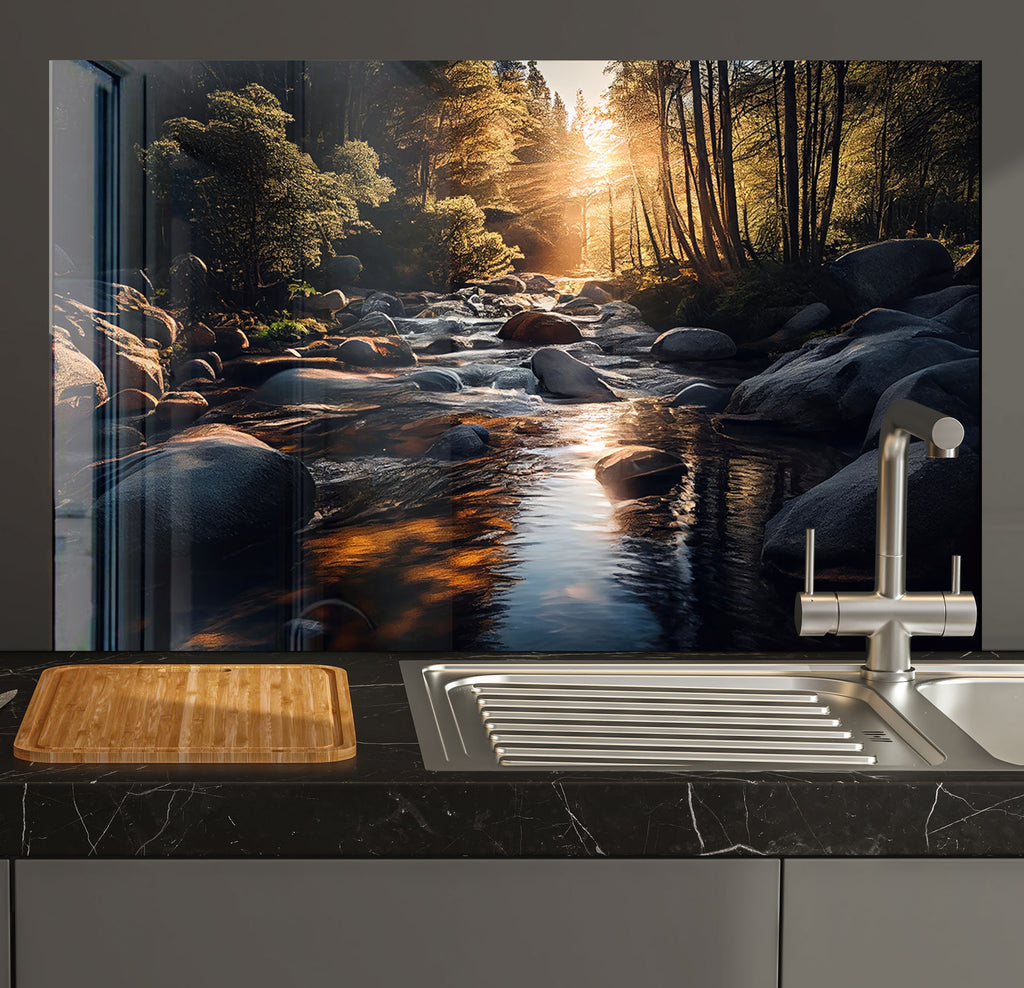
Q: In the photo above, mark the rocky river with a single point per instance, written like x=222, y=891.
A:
x=523, y=465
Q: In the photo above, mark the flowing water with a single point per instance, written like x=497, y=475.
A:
x=523, y=549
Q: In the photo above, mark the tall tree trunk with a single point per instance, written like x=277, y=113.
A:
x=805, y=164
x=650, y=233
x=710, y=221
x=688, y=174
x=344, y=109
x=636, y=257
x=818, y=155
x=687, y=245
x=792, y=168
x=780, y=169
x=839, y=69
x=883, y=159
x=709, y=68
x=728, y=170
x=611, y=227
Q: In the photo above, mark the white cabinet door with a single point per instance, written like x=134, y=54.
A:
x=397, y=924
x=937, y=923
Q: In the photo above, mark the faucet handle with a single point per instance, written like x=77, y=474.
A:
x=956, y=574
x=809, y=563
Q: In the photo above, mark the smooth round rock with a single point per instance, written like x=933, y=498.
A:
x=686, y=343
x=539, y=328
x=561, y=374
x=636, y=471
x=461, y=442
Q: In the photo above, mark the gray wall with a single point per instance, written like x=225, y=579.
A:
x=400, y=29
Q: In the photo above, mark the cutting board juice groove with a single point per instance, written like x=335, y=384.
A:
x=210, y=712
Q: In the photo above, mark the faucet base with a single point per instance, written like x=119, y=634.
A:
x=887, y=676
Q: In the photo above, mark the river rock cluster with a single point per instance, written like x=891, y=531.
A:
x=192, y=422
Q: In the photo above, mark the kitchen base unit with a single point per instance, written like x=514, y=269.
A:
x=941, y=923
x=652, y=923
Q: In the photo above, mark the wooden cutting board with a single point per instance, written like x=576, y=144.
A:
x=217, y=712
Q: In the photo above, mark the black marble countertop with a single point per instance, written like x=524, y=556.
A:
x=384, y=803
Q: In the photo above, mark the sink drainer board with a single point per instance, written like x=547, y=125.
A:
x=495, y=717
x=215, y=712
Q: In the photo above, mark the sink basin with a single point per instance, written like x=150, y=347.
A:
x=990, y=710
x=517, y=715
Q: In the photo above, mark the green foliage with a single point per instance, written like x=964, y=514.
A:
x=300, y=289
x=460, y=247
x=357, y=166
x=261, y=207
x=443, y=245
x=458, y=127
x=280, y=334
x=749, y=305
x=754, y=302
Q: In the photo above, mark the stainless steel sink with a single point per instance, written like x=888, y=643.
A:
x=517, y=715
x=990, y=710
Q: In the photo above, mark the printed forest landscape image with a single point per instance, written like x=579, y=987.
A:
x=510, y=355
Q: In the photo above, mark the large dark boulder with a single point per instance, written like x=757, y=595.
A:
x=957, y=307
x=943, y=508
x=882, y=322
x=930, y=305
x=539, y=329
x=887, y=272
x=953, y=388
x=561, y=374
x=809, y=319
x=207, y=491
x=699, y=394
x=693, y=343
x=829, y=387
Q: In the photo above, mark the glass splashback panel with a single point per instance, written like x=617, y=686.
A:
x=501, y=355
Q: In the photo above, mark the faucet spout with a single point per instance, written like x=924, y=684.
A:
x=943, y=434
x=889, y=616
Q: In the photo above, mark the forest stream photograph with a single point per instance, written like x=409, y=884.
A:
x=503, y=356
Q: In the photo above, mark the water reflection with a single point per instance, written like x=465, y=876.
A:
x=524, y=550
x=678, y=570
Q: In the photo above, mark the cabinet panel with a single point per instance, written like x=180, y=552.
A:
x=884, y=921
x=5, y=924
x=397, y=924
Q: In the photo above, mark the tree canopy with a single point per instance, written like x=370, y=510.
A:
x=260, y=206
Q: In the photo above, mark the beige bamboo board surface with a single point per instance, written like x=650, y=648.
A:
x=216, y=712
